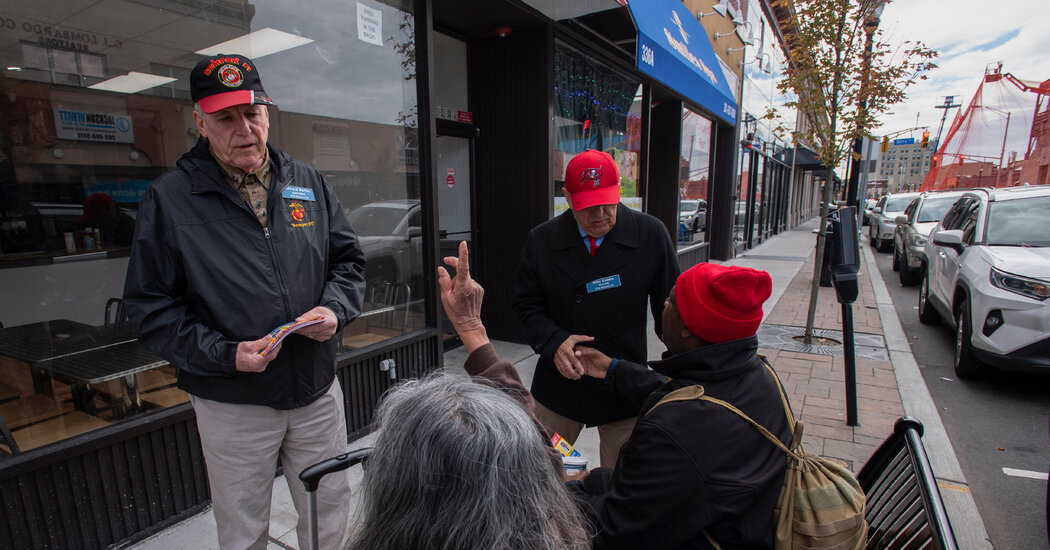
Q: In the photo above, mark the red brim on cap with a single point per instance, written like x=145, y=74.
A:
x=601, y=195
x=219, y=102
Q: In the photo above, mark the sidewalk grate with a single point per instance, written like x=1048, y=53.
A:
x=866, y=346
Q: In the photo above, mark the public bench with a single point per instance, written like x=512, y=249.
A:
x=904, y=507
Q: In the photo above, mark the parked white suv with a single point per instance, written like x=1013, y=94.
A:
x=986, y=270
x=884, y=219
x=913, y=229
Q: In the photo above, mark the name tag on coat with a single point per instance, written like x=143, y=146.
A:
x=605, y=283
x=298, y=193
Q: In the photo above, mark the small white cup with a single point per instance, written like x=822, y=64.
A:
x=573, y=464
x=71, y=245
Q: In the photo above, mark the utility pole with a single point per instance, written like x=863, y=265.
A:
x=949, y=103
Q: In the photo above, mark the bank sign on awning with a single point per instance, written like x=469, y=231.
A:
x=674, y=49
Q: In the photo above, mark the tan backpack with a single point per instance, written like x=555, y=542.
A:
x=821, y=504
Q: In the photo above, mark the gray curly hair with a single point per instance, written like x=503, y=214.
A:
x=458, y=464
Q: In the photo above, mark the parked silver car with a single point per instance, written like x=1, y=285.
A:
x=692, y=214
x=868, y=205
x=883, y=219
x=913, y=228
x=391, y=236
x=986, y=271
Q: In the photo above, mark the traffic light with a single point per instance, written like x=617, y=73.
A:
x=925, y=139
x=885, y=143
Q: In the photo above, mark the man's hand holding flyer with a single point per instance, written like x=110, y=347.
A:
x=280, y=333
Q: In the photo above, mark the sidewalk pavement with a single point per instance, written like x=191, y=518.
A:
x=889, y=385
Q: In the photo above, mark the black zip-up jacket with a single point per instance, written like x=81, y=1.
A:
x=204, y=275
x=693, y=466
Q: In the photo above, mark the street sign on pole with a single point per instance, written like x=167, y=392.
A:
x=904, y=141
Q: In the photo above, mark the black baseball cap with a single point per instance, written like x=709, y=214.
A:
x=225, y=80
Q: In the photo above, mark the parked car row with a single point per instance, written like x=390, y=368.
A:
x=982, y=259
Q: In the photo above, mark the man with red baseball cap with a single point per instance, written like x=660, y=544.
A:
x=692, y=472
x=586, y=276
x=238, y=239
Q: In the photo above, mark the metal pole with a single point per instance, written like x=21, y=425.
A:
x=311, y=514
x=1005, y=133
x=851, y=186
x=850, y=364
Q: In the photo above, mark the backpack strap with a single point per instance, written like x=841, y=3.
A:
x=697, y=392
x=783, y=394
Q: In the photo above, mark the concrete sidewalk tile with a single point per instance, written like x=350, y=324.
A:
x=809, y=388
x=868, y=391
x=816, y=413
x=842, y=432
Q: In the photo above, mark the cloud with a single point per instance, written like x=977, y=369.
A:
x=970, y=36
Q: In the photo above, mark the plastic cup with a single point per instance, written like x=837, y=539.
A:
x=573, y=464
x=70, y=243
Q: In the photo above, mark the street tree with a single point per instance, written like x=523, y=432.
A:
x=841, y=74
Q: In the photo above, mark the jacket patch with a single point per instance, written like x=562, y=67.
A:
x=298, y=213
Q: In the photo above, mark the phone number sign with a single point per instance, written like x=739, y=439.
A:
x=90, y=126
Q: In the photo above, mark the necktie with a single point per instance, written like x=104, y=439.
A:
x=594, y=244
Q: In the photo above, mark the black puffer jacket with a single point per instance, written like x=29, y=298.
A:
x=691, y=466
x=204, y=275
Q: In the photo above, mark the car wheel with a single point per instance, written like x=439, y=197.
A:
x=907, y=276
x=966, y=365
x=896, y=258
x=927, y=315
x=378, y=273
x=885, y=245
x=873, y=236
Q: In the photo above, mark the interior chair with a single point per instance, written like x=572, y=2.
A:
x=6, y=439
x=114, y=315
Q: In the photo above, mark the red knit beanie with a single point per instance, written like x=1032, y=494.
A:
x=719, y=303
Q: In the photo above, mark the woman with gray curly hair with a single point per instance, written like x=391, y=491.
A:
x=461, y=463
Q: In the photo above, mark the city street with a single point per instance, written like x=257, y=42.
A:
x=997, y=425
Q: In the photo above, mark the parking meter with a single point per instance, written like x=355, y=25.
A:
x=845, y=263
x=845, y=257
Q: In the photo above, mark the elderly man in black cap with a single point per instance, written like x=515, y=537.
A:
x=236, y=240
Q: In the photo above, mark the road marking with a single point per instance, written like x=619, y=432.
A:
x=1025, y=473
x=952, y=486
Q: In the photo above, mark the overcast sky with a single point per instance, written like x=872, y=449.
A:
x=969, y=35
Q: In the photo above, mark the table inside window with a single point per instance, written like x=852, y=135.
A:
x=119, y=361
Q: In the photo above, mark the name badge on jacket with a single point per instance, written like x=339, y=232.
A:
x=605, y=283
x=298, y=193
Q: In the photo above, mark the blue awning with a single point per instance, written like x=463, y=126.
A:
x=674, y=49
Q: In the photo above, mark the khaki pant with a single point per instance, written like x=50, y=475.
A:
x=241, y=444
x=611, y=436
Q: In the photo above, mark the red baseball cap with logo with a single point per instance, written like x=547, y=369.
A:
x=592, y=179
x=225, y=80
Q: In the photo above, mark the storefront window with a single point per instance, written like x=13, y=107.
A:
x=695, y=165
x=97, y=105
x=595, y=107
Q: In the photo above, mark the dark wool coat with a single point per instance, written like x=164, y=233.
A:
x=552, y=301
x=691, y=466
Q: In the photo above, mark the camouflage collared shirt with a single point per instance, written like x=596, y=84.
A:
x=252, y=186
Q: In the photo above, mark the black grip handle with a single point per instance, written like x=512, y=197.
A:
x=312, y=475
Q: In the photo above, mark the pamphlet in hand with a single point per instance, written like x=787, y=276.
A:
x=281, y=332
x=559, y=443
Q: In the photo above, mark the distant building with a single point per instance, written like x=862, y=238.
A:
x=904, y=166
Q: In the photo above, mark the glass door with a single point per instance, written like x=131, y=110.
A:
x=453, y=179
